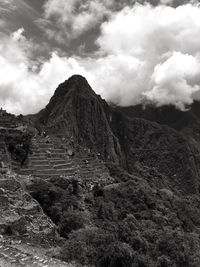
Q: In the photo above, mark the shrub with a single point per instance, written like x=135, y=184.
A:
x=71, y=220
x=106, y=211
x=75, y=250
x=164, y=261
x=87, y=246
x=117, y=254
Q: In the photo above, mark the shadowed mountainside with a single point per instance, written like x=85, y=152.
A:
x=79, y=113
x=187, y=121
x=119, y=185
x=82, y=116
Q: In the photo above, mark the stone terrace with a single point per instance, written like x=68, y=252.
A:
x=50, y=158
x=8, y=125
x=13, y=255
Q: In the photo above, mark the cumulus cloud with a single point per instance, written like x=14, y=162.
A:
x=145, y=54
x=6, y=5
x=24, y=88
x=152, y=36
x=175, y=81
x=69, y=19
x=74, y=17
x=166, y=2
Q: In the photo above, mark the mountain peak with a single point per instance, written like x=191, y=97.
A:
x=76, y=83
x=77, y=78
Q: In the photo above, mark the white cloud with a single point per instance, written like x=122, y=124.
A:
x=151, y=35
x=145, y=54
x=175, y=81
x=166, y=2
x=74, y=17
x=6, y=4
x=22, y=89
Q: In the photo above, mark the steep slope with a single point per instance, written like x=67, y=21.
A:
x=156, y=151
x=21, y=215
x=79, y=113
x=187, y=122
x=141, y=209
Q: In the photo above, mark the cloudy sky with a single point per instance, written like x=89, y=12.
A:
x=130, y=51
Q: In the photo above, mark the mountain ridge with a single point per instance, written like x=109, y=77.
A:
x=117, y=133
x=118, y=189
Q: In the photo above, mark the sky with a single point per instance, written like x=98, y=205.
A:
x=131, y=52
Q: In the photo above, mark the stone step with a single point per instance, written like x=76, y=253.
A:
x=91, y=165
x=46, y=171
x=62, y=166
x=51, y=161
x=46, y=176
x=45, y=145
x=85, y=159
x=57, y=161
x=61, y=152
x=42, y=141
x=38, y=147
x=52, y=151
x=66, y=171
x=38, y=162
x=52, y=155
x=92, y=173
x=28, y=170
x=41, y=150
x=37, y=158
x=39, y=154
x=57, y=155
x=40, y=167
x=48, y=146
x=59, y=171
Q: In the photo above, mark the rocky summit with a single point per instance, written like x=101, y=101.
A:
x=87, y=183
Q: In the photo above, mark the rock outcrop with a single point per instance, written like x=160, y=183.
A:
x=186, y=122
x=80, y=114
x=135, y=144
x=21, y=215
x=158, y=153
x=120, y=185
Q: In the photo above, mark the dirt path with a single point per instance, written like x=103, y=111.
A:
x=11, y=256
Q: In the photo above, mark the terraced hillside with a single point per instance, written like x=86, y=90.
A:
x=23, y=225
x=50, y=158
x=116, y=190
x=8, y=126
x=11, y=256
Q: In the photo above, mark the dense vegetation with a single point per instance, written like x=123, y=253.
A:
x=19, y=146
x=129, y=223
x=149, y=216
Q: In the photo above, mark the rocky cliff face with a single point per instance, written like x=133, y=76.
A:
x=81, y=115
x=21, y=215
x=186, y=122
x=136, y=144
x=157, y=152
